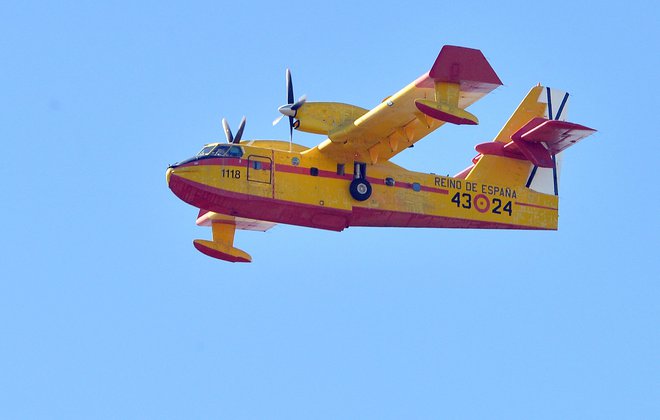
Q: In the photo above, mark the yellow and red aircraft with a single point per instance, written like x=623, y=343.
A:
x=348, y=179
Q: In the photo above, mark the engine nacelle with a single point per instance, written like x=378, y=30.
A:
x=325, y=117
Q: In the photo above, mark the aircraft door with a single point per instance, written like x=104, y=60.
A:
x=260, y=175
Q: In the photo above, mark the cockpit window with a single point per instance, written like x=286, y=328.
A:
x=206, y=151
x=223, y=150
x=228, y=151
x=220, y=151
x=235, y=151
x=217, y=150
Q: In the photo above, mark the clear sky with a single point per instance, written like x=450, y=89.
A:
x=107, y=311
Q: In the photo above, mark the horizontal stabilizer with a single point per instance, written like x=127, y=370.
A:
x=558, y=135
x=541, y=138
x=498, y=149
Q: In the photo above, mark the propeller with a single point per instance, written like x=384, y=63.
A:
x=229, y=135
x=291, y=107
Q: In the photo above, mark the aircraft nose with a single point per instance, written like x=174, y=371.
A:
x=168, y=174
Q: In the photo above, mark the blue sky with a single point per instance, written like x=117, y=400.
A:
x=109, y=312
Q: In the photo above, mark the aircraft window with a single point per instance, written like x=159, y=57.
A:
x=341, y=168
x=227, y=151
x=256, y=164
x=416, y=186
x=314, y=171
x=389, y=182
x=235, y=151
x=206, y=151
x=220, y=151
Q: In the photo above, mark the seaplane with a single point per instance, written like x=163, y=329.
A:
x=348, y=179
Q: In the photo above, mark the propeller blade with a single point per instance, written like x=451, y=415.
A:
x=300, y=102
x=291, y=106
x=289, y=87
x=239, y=133
x=228, y=134
x=277, y=120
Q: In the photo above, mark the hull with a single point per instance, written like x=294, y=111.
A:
x=295, y=213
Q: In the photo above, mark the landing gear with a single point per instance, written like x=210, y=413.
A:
x=360, y=188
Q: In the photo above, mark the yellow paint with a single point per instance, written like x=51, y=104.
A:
x=223, y=229
x=448, y=93
x=397, y=113
x=325, y=117
x=529, y=108
x=501, y=170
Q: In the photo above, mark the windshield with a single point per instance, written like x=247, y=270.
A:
x=224, y=150
x=206, y=150
x=213, y=151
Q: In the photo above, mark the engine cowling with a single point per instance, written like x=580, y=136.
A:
x=325, y=117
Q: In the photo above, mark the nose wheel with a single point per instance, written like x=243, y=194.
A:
x=360, y=188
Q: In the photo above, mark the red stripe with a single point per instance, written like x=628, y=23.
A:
x=301, y=170
x=435, y=190
x=535, y=206
x=377, y=181
x=291, y=169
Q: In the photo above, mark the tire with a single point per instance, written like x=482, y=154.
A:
x=360, y=189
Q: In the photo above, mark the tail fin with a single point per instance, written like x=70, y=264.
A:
x=527, y=150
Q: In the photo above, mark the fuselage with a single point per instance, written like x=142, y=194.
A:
x=276, y=182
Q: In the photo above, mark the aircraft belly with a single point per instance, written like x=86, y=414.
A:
x=430, y=201
x=388, y=218
x=444, y=202
x=259, y=208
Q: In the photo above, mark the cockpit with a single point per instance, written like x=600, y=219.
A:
x=220, y=150
x=214, y=151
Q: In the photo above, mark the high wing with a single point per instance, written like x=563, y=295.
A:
x=459, y=77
